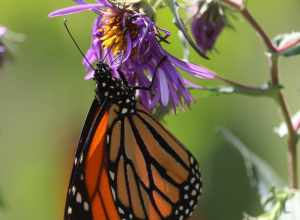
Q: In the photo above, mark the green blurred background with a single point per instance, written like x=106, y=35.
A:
x=44, y=101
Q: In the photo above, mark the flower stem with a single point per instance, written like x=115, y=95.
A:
x=249, y=18
x=265, y=90
x=292, y=134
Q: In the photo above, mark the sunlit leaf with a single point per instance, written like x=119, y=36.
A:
x=276, y=206
x=292, y=208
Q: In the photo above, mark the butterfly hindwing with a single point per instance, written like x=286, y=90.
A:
x=152, y=175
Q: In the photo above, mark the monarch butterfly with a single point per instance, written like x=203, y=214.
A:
x=127, y=166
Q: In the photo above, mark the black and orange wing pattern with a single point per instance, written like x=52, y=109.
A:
x=89, y=196
x=152, y=175
x=127, y=166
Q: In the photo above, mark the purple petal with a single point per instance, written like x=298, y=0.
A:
x=89, y=75
x=174, y=98
x=195, y=70
x=3, y=30
x=129, y=47
x=80, y=1
x=190, y=85
x=164, y=90
x=2, y=49
x=75, y=9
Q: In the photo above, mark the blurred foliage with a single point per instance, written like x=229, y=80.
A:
x=1, y=201
x=277, y=200
x=264, y=179
x=44, y=101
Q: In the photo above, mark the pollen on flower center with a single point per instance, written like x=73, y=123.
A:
x=115, y=25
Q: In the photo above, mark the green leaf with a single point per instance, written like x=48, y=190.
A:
x=260, y=174
x=288, y=44
x=278, y=201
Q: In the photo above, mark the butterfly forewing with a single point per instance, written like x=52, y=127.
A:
x=77, y=190
x=89, y=196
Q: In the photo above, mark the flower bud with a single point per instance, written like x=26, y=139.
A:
x=207, y=23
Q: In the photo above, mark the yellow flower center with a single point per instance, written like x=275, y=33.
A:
x=113, y=31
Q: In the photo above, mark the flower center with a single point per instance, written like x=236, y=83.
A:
x=114, y=27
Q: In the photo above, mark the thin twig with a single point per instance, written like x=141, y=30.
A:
x=249, y=18
x=292, y=134
x=261, y=91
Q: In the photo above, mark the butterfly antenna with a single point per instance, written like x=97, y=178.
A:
x=76, y=44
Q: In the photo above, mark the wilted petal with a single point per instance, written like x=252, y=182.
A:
x=207, y=22
x=75, y=9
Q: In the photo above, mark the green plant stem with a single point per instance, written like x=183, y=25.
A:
x=292, y=134
x=250, y=19
x=265, y=90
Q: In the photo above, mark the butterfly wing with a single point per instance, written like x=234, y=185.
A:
x=89, y=184
x=152, y=175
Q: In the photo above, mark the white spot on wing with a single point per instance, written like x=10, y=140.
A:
x=194, y=192
x=124, y=111
x=112, y=175
x=78, y=197
x=192, y=202
x=193, y=180
x=86, y=206
x=73, y=190
x=81, y=158
x=69, y=210
x=113, y=192
x=121, y=211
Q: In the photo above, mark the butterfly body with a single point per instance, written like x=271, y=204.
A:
x=114, y=90
x=127, y=166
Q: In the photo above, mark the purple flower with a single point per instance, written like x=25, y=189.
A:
x=8, y=39
x=207, y=23
x=3, y=51
x=130, y=42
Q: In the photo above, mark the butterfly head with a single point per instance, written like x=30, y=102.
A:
x=114, y=90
